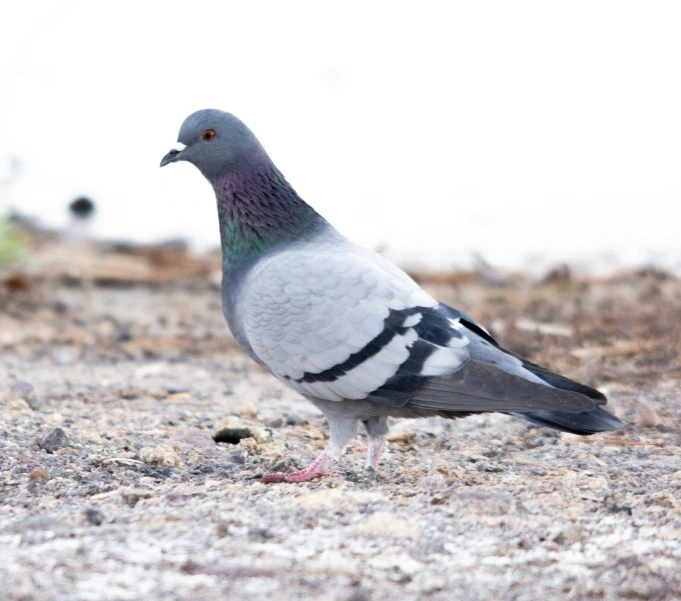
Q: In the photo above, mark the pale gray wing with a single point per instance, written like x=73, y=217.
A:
x=338, y=322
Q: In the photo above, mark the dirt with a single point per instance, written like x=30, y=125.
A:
x=113, y=487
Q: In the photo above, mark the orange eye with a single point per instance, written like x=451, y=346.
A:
x=208, y=135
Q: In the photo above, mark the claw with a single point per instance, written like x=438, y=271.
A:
x=316, y=470
x=301, y=476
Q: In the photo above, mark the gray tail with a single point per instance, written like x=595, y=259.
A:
x=585, y=423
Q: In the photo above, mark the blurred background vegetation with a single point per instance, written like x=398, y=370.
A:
x=12, y=244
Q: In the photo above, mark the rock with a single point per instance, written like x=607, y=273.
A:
x=260, y=534
x=132, y=496
x=160, y=456
x=39, y=473
x=94, y=516
x=25, y=391
x=568, y=535
x=235, y=434
x=386, y=524
x=360, y=594
x=648, y=417
x=18, y=406
x=675, y=477
x=264, y=435
x=245, y=410
x=53, y=440
x=401, y=436
x=222, y=529
x=237, y=458
x=293, y=418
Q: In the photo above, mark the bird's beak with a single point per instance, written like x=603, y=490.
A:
x=175, y=154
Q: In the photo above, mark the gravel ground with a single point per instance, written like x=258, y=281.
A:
x=112, y=485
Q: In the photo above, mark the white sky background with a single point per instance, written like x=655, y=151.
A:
x=515, y=129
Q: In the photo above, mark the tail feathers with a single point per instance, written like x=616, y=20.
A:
x=558, y=381
x=585, y=423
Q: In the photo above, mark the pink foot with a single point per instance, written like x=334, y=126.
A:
x=316, y=470
x=376, y=459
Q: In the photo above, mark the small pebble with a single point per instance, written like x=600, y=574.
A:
x=60, y=307
x=18, y=406
x=54, y=440
x=94, y=516
x=649, y=417
x=160, y=456
x=132, y=496
x=246, y=410
x=260, y=534
x=403, y=437
x=293, y=418
x=360, y=594
x=237, y=458
x=222, y=529
x=39, y=473
x=235, y=434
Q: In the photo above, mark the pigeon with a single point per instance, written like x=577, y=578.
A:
x=345, y=327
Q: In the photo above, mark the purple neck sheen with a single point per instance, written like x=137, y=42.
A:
x=259, y=210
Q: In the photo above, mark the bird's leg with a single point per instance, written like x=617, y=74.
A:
x=377, y=432
x=316, y=469
x=342, y=430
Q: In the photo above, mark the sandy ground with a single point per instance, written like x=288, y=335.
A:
x=112, y=486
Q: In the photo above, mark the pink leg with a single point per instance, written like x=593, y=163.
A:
x=374, y=458
x=317, y=469
x=377, y=431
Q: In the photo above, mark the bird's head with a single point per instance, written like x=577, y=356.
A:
x=217, y=143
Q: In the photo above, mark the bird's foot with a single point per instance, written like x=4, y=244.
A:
x=301, y=476
x=317, y=469
x=374, y=455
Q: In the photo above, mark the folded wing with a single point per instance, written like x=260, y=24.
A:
x=343, y=323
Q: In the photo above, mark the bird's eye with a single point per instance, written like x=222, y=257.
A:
x=208, y=135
